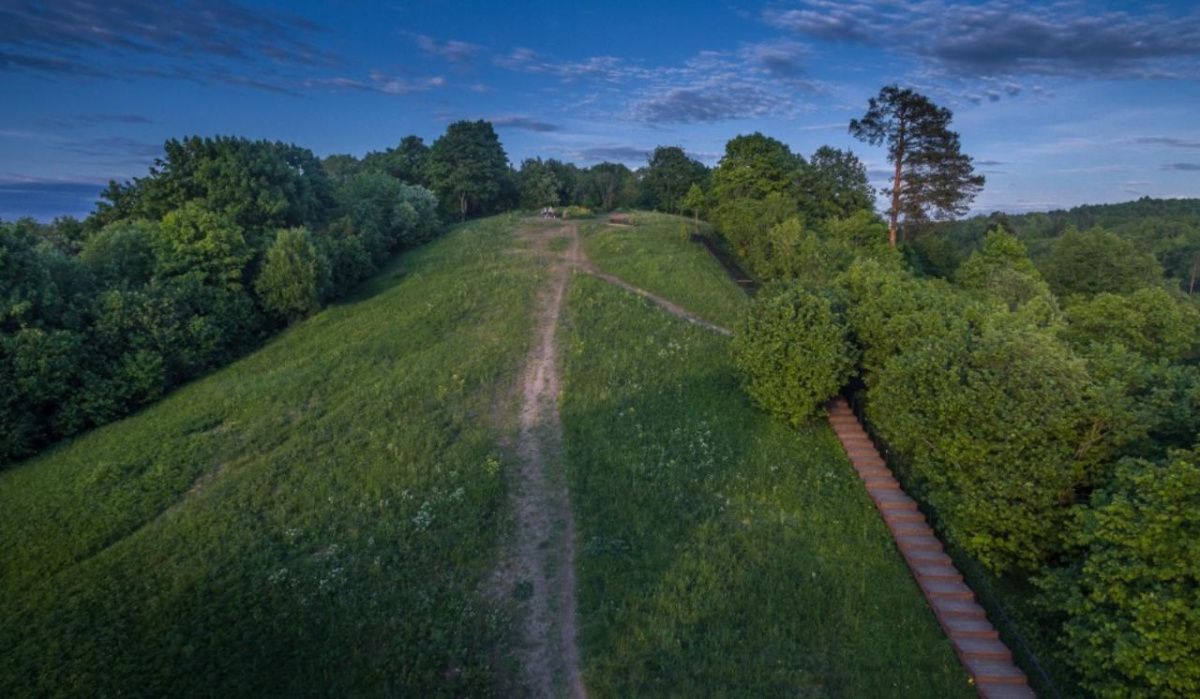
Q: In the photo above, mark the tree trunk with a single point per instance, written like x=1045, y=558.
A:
x=462, y=206
x=894, y=214
x=1192, y=280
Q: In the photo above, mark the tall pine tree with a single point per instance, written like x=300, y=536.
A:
x=932, y=177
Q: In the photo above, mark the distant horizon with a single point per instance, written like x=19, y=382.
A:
x=1060, y=104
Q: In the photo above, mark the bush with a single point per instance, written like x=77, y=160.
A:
x=889, y=310
x=1095, y=262
x=1001, y=270
x=793, y=353
x=1149, y=321
x=996, y=425
x=1132, y=598
x=294, y=277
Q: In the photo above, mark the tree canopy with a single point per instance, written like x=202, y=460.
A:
x=467, y=168
x=932, y=178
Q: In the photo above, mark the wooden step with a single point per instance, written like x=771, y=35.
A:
x=994, y=671
x=983, y=649
x=958, y=607
x=1003, y=690
x=968, y=627
x=952, y=590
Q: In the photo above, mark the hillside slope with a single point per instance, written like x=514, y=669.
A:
x=316, y=517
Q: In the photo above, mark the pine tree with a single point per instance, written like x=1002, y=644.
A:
x=931, y=176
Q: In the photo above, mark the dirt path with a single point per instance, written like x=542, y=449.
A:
x=673, y=309
x=540, y=570
x=539, y=567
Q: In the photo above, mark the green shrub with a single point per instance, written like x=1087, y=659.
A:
x=793, y=353
x=1093, y=262
x=1001, y=271
x=295, y=276
x=996, y=424
x=1132, y=597
x=1149, y=321
x=888, y=310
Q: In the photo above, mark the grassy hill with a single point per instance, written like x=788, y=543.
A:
x=312, y=519
x=321, y=516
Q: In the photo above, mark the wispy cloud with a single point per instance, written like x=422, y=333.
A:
x=1182, y=167
x=84, y=120
x=210, y=43
x=458, y=52
x=1169, y=141
x=378, y=81
x=998, y=37
x=524, y=122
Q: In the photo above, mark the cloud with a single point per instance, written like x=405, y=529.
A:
x=1000, y=38
x=717, y=101
x=46, y=199
x=378, y=81
x=615, y=153
x=524, y=122
x=1167, y=141
x=1182, y=167
x=782, y=59
x=602, y=68
x=83, y=120
x=458, y=52
x=221, y=42
x=990, y=163
x=118, y=147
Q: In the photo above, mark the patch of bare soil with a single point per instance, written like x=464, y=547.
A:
x=539, y=570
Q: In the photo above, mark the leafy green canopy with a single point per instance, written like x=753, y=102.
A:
x=668, y=175
x=793, y=352
x=1131, y=594
x=932, y=178
x=468, y=168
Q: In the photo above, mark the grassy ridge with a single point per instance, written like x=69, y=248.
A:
x=656, y=255
x=314, y=519
x=722, y=554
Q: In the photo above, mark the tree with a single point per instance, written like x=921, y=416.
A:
x=668, y=175
x=538, y=184
x=1001, y=270
x=793, y=352
x=1131, y=594
x=295, y=275
x=1097, y=261
x=931, y=175
x=839, y=182
x=467, y=165
x=609, y=184
x=196, y=242
x=407, y=162
x=694, y=201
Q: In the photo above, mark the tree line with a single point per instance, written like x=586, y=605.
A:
x=221, y=244
x=1048, y=411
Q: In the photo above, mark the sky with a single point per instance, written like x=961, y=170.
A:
x=1060, y=103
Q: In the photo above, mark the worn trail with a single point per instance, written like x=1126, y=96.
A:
x=540, y=571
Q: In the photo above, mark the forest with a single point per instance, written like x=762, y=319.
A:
x=1035, y=378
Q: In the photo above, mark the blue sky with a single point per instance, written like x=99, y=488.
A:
x=1060, y=103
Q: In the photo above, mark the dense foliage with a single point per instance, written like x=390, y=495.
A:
x=1167, y=229
x=1131, y=592
x=179, y=272
x=1035, y=378
x=793, y=353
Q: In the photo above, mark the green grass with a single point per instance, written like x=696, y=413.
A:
x=314, y=519
x=657, y=256
x=721, y=553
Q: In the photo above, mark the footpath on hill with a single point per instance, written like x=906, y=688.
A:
x=539, y=568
